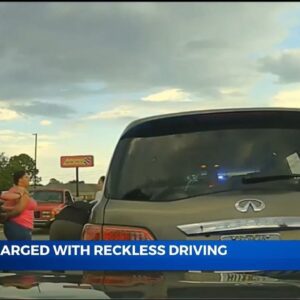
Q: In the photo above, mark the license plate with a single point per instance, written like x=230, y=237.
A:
x=225, y=277
x=37, y=214
x=251, y=237
x=234, y=277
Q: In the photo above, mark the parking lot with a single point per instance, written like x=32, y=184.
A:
x=38, y=234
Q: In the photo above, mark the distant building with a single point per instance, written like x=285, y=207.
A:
x=87, y=191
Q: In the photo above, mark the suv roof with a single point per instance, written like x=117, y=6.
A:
x=225, y=118
x=211, y=111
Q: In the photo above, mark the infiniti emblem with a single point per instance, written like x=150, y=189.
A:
x=245, y=204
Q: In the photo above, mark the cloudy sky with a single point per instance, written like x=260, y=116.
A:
x=78, y=73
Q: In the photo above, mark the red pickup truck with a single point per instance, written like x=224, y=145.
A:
x=49, y=203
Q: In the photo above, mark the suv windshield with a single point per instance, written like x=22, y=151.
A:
x=48, y=196
x=179, y=166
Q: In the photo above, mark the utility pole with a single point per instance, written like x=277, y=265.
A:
x=35, y=158
x=77, y=182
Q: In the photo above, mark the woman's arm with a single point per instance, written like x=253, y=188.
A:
x=18, y=208
x=2, y=213
x=6, y=198
x=9, y=196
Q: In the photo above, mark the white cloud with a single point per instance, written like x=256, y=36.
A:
x=231, y=92
x=116, y=113
x=171, y=95
x=285, y=65
x=175, y=101
x=287, y=98
x=132, y=112
x=201, y=51
x=12, y=138
x=231, y=98
x=9, y=136
x=8, y=114
x=45, y=123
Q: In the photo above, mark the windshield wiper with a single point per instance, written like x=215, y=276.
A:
x=249, y=180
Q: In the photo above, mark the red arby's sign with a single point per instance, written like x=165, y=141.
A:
x=77, y=161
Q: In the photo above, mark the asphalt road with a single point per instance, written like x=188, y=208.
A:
x=38, y=234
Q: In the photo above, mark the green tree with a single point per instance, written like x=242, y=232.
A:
x=54, y=181
x=74, y=181
x=5, y=177
x=15, y=163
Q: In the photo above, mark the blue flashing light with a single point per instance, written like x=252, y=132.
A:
x=221, y=177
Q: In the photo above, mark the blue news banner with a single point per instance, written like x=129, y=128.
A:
x=150, y=255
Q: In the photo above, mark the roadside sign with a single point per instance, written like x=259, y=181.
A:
x=78, y=161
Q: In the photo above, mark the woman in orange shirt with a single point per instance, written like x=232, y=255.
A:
x=19, y=208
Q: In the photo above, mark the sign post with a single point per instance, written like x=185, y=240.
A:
x=77, y=182
x=77, y=161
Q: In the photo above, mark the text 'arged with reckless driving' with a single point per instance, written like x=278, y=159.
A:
x=113, y=250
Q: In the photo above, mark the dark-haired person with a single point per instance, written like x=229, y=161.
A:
x=18, y=211
x=69, y=222
x=100, y=185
